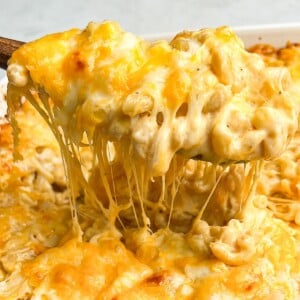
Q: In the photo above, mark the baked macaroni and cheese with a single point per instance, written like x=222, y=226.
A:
x=137, y=170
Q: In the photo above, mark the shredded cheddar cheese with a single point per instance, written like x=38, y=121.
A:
x=165, y=170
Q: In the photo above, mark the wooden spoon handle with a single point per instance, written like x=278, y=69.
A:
x=7, y=47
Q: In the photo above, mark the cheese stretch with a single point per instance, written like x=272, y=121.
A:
x=181, y=163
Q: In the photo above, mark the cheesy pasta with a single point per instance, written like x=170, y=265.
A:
x=181, y=167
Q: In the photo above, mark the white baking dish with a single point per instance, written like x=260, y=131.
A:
x=277, y=35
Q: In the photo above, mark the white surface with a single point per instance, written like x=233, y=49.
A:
x=29, y=19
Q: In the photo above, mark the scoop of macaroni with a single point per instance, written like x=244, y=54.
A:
x=201, y=95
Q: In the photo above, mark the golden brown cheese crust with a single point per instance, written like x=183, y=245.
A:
x=85, y=271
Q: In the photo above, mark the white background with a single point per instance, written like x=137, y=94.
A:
x=27, y=20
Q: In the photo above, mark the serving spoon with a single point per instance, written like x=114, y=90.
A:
x=7, y=47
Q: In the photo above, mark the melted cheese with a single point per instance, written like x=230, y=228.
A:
x=202, y=94
x=84, y=271
x=145, y=221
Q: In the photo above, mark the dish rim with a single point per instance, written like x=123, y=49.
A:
x=275, y=34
